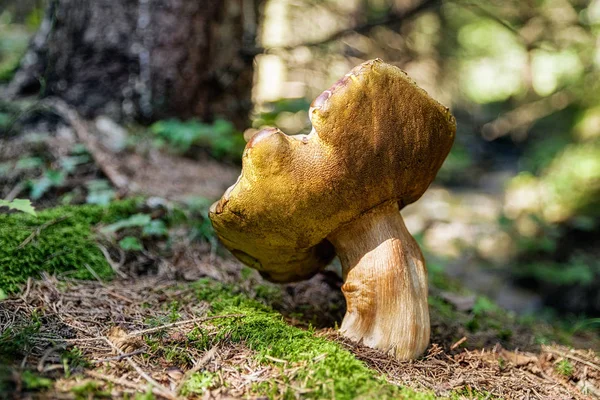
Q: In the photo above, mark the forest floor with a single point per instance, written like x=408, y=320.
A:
x=176, y=317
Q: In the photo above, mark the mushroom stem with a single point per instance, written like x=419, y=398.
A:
x=385, y=283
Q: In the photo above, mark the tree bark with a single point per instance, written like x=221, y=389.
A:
x=145, y=59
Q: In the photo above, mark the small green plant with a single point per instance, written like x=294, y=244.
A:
x=484, y=305
x=149, y=226
x=131, y=243
x=220, y=137
x=50, y=178
x=198, y=383
x=32, y=381
x=22, y=205
x=90, y=390
x=134, y=221
x=199, y=338
x=581, y=269
x=72, y=359
x=174, y=314
x=145, y=396
x=564, y=368
x=99, y=192
x=501, y=363
x=155, y=228
x=588, y=323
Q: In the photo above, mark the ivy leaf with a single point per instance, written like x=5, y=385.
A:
x=155, y=228
x=131, y=243
x=23, y=205
x=135, y=221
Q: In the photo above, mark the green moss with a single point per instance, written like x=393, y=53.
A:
x=32, y=381
x=90, y=390
x=564, y=367
x=198, y=383
x=338, y=375
x=61, y=241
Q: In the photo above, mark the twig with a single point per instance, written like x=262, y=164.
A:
x=27, y=290
x=203, y=361
x=72, y=117
x=39, y=230
x=94, y=274
x=526, y=114
x=188, y=321
x=275, y=359
x=119, y=357
x=15, y=191
x=47, y=353
x=115, y=267
x=158, y=328
x=120, y=297
x=458, y=343
x=163, y=390
x=123, y=382
x=575, y=358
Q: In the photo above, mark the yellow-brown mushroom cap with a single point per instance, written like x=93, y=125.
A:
x=377, y=137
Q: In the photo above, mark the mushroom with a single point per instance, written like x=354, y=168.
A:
x=377, y=142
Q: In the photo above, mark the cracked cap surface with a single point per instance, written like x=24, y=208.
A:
x=377, y=137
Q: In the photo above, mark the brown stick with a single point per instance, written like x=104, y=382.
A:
x=188, y=321
x=203, y=361
x=119, y=357
x=574, y=358
x=39, y=230
x=71, y=116
x=163, y=390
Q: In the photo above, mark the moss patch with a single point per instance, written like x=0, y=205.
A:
x=329, y=371
x=57, y=240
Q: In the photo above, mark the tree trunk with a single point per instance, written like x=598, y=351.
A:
x=145, y=59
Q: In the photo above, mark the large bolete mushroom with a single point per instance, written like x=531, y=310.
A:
x=377, y=142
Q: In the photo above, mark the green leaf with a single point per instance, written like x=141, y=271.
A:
x=131, y=243
x=102, y=198
x=23, y=205
x=155, y=228
x=135, y=221
x=29, y=163
x=70, y=163
x=50, y=179
x=220, y=137
x=35, y=382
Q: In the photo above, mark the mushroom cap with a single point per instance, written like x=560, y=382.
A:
x=377, y=137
